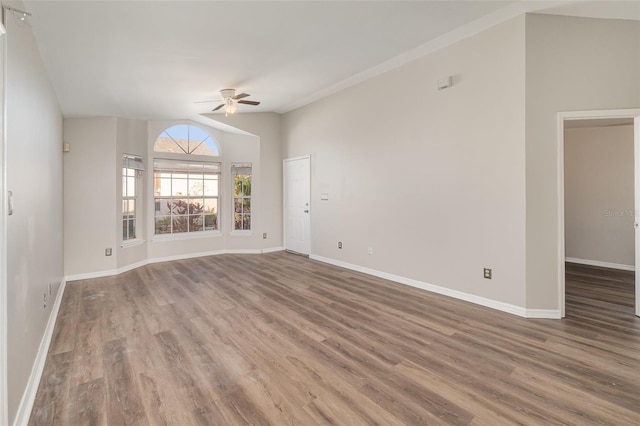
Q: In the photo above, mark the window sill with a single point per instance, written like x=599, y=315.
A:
x=185, y=236
x=241, y=233
x=132, y=243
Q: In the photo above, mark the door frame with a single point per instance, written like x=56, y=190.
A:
x=586, y=115
x=284, y=201
x=4, y=395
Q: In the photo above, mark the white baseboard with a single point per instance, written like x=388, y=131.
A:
x=478, y=300
x=89, y=275
x=183, y=256
x=610, y=265
x=543, y=313
x=29, y=395
x=111, y=272
x=131, y=267
x=272, y=249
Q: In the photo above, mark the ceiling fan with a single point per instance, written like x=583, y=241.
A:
x=230, y=100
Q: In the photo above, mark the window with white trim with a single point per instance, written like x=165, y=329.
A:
x=132, y=167
x=241, y=173
x=185, y=196
x=185, y=139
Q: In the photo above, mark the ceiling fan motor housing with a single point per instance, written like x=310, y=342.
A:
x=228, y=93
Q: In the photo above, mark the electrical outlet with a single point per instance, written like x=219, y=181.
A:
x=108, y=252
x=487, y=273
x=339, y=244
x=264, y=235
x=44, y=300
x=370, y=250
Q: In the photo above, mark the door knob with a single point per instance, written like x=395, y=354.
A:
x=306, y=211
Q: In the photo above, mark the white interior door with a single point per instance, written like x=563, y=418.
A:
x=636, y=155
x=297, y=208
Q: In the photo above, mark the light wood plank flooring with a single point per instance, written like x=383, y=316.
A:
x=279, y=339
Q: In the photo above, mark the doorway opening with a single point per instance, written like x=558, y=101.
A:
x=599, y=175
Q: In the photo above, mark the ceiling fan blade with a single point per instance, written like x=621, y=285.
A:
x=241, y=95
x=217, y=108
x=249, y=102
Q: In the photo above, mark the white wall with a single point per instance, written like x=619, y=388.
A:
x=599, y=208
x=34, y=174
x=432, y=181
x=572, y=64
x=89, y=194
x=268, y=218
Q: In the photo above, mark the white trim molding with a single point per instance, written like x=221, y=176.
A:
x=478, y=300
x=126, y=268
x=29, y=395
x=4, y=393
x=467, y=30
x=560, y=247
x=600, y=264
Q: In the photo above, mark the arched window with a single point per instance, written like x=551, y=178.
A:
x=185, y=183
x=186, y=139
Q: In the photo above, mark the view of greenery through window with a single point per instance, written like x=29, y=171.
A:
x=185, y=196
x=241, y=196
x=186, y=186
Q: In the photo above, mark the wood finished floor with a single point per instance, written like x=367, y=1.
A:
x=279, y=339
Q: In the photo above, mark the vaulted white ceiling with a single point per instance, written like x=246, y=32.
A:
x=154, y=59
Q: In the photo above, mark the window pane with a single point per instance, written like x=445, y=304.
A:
x=196, y=185
x=131, y=186
x=195, y=223
x=246, y=185
x=179, y=207
x=180, y=224
x=237, y=221
x=162, y=187
x=237, y=205
x=210, y=221
x=125, y=228
x=246, y=224
x=163, y=224
x=237, y=185
x=163, y=207
x=132, y=228
x=131, y=210
x=211, y=188
x=196, y=206
x=124, y=186
x=178, y=187
x=211, y=205
x=130, y=172
x=246, y=205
